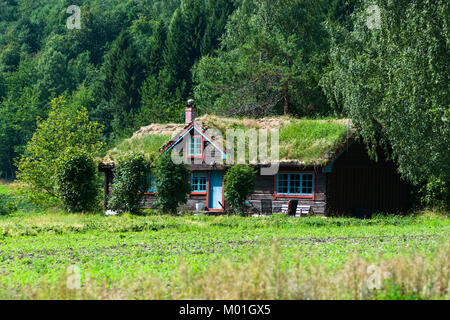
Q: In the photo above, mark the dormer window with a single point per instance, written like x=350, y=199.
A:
x=195, y=146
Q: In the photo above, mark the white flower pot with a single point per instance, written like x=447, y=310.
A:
x=200, y=206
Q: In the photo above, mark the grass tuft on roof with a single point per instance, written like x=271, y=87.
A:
x=148, y=144
x=311, y=141
x=302, y=141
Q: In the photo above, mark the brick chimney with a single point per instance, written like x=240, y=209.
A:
x=191, y=112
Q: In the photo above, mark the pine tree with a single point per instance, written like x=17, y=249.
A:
x=193, y=12
x=155, y=51
x=340, y=12
x=183, y=42
x=122, y=79
x=2, y=87
x=218, y=13
x=177, y=67
x=270, y=61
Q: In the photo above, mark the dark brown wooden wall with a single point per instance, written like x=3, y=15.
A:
x=149, y=200
x=265, y=187
x=358, y=185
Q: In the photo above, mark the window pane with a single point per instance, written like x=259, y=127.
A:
x=198, y=146
x=151, y=182
x=192, y=147
x=283, y=181
x=202, y=184
x=198, y=182
x=195, y=147
x=294, y=183
x=307, y=183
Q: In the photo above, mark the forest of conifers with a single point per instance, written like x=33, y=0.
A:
x=384, y=64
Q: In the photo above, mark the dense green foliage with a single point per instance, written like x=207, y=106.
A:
x=7, y=206
x=17, y=203
x=393, y=82
x=77, y=184
x=122, y=77
x=172, y=184
x=239, y=185
x=270, y=61
x=130, y=63
x=63, y=135
x=130, y=184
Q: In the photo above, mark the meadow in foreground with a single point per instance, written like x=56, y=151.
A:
x=276, y=257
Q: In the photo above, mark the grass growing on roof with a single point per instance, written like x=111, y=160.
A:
x=310, y=140
x=147, y=144
x=307, y=141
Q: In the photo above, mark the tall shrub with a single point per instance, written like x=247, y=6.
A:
x=77, y=185
x=239, y=185
x=172, y=184
x=63, y=135
x=130, y=183
x=7, y=205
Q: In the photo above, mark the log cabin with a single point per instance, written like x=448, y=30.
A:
x=320, y=165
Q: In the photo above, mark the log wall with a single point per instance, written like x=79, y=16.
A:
x=359, y=186
x=265, y=190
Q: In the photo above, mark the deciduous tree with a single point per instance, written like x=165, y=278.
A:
x=56, y=140
x=392, y=80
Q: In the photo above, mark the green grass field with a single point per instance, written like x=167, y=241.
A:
x=276, y=257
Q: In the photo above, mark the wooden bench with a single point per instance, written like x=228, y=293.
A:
x=301, y=210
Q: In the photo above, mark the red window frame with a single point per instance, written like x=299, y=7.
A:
x=276, y=195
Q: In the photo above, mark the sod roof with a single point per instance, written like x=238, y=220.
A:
x=302, y=141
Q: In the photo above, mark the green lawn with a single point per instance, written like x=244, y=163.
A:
x=128, y=257
x=114, y=252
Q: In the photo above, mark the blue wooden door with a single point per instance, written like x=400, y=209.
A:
x=215, y=190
